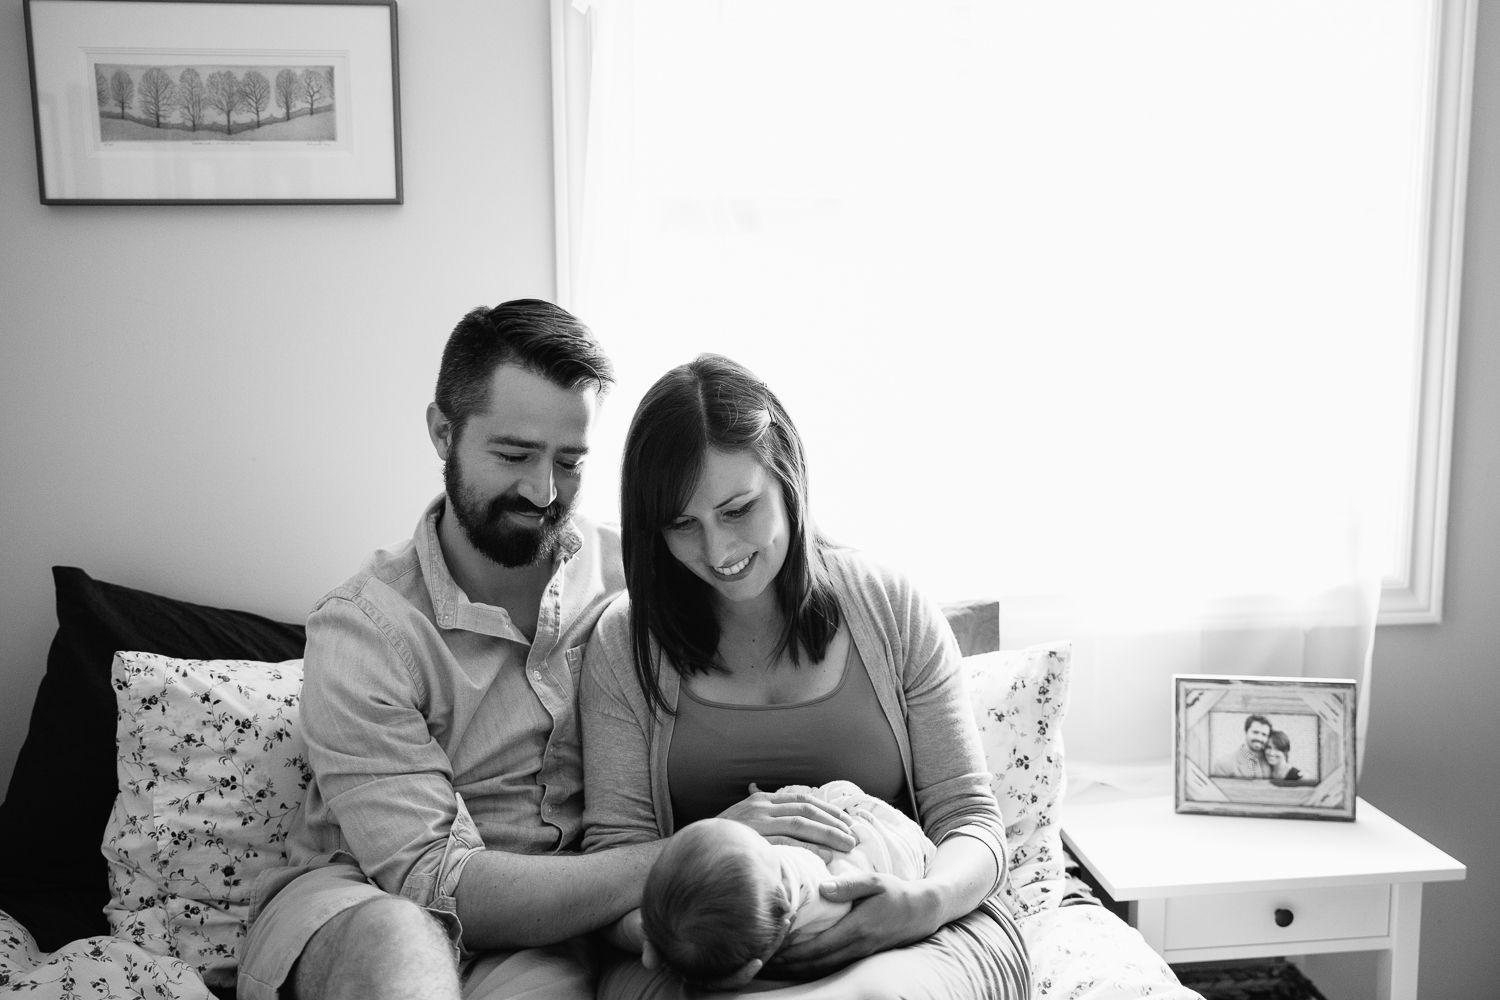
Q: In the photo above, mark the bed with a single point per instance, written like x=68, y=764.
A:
x=163, y=765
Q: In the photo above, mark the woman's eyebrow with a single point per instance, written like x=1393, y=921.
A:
x=725, y=503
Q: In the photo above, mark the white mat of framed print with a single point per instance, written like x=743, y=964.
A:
x=1265, y=746
x=189, y=101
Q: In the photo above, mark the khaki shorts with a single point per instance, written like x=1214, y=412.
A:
x=290, y=905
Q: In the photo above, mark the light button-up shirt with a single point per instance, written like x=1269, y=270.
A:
x=435, y=728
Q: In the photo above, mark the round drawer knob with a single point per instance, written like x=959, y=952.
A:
x=1283, y=917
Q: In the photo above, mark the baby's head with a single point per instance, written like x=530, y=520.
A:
x=715, y=902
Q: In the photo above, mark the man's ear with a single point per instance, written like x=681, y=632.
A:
x=440, y=430
x=650, y=957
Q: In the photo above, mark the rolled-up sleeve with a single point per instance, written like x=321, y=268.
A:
x=384, y=778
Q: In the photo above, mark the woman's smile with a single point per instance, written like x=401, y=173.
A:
x=737, y=571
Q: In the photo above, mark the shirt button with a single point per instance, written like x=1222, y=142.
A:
x=536, y=675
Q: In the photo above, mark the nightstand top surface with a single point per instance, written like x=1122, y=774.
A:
x=1140, y=849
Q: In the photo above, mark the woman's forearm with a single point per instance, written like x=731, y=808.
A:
x=963, y=873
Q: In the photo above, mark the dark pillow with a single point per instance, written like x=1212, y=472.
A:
x=975, y=624
x=52, y=877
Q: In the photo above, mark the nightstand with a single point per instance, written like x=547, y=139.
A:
x=1206, y=888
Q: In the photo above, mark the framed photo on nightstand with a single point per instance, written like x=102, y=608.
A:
x=1281, y=747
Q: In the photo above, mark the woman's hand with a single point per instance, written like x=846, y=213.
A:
x=888, y=912
x=795, y=818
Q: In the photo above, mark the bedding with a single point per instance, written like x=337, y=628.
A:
x=211, y=769
x=211, y=772
x=1019, y=698
x=72, y=735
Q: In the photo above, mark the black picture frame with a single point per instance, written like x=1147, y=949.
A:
x=215, y=102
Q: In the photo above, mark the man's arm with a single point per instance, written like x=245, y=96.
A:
x=521, y=901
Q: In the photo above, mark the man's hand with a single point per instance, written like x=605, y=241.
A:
x=888, y=913
x=795, y=818
x=627, y=934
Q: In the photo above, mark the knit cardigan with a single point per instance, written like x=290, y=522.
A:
x=913, y=661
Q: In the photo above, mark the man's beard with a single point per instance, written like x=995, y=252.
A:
x=491, y=532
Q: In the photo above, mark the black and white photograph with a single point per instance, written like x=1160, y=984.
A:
x=208, y=102
x=749, y=499
x=215, y=102
x=1265, y=746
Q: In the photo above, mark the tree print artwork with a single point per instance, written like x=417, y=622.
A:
x=215, y=103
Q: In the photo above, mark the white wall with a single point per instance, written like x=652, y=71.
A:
x=166, y=426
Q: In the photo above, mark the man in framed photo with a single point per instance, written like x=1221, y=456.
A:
x=1248, y=760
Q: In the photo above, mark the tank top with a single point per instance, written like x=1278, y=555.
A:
x=718, y=749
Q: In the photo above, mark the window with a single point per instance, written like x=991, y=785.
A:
x=1153, y=304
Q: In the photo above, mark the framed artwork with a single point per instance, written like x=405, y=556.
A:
x=1265, y=746
x=206, y=102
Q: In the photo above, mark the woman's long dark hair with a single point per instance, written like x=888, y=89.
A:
x=712, y=402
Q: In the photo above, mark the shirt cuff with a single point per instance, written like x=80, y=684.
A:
x=985, y=836
x=438, y=890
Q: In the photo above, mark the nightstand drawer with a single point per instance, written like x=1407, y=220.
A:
x=1249, y=918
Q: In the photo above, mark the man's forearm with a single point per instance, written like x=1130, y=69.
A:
x=523, y=901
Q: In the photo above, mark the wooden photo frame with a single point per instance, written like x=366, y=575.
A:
x=1265, y=746
x=215, y=102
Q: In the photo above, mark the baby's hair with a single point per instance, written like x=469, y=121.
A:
x=706, y=911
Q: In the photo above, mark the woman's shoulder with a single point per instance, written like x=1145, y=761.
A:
x=889, y=594
x=610, y=640
x=854, y=569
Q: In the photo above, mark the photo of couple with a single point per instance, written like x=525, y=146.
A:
x=1265, y=746
x=1265, y=753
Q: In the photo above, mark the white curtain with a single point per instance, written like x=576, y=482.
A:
x=1107, y=310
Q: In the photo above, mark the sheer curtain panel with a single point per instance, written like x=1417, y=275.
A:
x=1113, y=311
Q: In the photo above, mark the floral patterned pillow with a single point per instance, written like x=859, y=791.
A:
x=211, y=770
x=1020, y=697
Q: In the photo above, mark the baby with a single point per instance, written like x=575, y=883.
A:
x=721, y=896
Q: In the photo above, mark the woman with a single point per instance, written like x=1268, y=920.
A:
x=752, y=653
x=1278, y=746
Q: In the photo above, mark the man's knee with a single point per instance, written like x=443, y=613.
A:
x=383, y=947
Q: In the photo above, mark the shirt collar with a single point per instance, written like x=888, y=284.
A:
x=447, y=596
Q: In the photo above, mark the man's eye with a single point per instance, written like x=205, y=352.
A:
x=512, y=459
x=570, y=466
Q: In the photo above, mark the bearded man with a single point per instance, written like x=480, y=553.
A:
x=435, y=853
x=1248, y=760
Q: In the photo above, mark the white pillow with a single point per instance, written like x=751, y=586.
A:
x=211, y=771
x=1020, y=697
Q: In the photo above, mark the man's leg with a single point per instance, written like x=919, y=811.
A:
x=326, y=932
x=560, y=972
x=385, y=948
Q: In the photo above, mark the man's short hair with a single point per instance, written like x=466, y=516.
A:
x=1252, y=720
x=537, y=336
